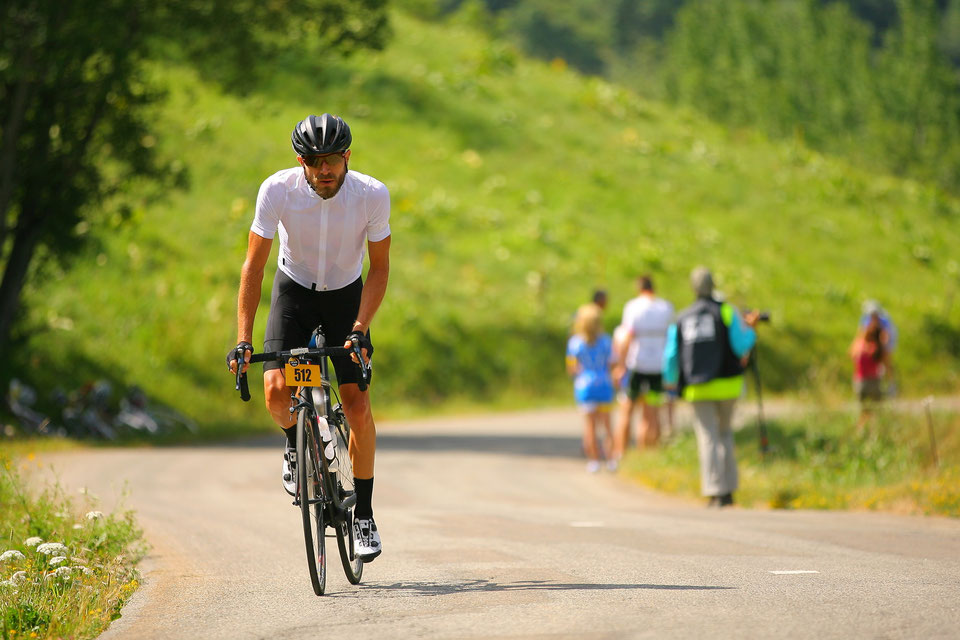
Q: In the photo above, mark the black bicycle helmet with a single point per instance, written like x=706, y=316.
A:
x=320, y=135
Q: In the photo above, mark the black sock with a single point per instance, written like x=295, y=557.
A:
x=364, y=508
x=291, y=436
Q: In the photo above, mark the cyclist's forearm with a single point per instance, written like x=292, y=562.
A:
x=374, y=289
x=251, y=280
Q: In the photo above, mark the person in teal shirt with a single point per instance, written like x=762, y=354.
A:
x=706, y=352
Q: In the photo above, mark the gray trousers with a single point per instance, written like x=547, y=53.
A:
x=714, y=429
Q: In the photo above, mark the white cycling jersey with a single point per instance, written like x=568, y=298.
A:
x=322, y=242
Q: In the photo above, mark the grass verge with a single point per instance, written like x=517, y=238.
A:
x=819, y=461
x=66, y=569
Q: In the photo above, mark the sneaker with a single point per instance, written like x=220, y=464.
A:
x=366, y=540
x=289, y=477
x=593, y=466
x=612, y=465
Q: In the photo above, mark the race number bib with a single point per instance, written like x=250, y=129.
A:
x=301, y=374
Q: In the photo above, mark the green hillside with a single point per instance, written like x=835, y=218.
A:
x=517, y=188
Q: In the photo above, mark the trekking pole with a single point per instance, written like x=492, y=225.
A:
x=927, y=403
x=764, y=442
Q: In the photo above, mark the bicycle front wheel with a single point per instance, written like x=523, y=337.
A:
x=311, y=494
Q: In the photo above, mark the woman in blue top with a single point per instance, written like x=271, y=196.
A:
x=589, y=359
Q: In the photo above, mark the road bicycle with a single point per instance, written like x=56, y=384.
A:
x=323, y=471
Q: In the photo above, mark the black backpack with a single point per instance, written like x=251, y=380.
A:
x=703, y=344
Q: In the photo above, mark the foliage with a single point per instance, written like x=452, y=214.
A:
x=504, y=219
x=868, y=79
x=71, y=591
x=798, y=68
x=818, y=461
x=77, y=145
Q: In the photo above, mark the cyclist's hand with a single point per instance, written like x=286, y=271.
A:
x=232, y=357
x=363, y=341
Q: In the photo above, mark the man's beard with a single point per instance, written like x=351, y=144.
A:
x=332, y=191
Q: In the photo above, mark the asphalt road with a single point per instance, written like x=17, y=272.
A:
x=492, y=529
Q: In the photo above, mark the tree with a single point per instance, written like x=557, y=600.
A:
x=74, y=123
x=919, y=130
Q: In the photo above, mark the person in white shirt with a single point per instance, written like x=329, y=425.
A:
x=645, y=321
x=327, y=217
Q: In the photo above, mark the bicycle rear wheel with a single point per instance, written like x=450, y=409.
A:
x=311, y=493
x=352, y=564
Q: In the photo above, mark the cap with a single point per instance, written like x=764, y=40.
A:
x=702, y=281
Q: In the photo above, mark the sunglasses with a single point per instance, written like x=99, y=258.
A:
x=332, y=160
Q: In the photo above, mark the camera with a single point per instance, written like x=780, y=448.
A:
x=762, y=316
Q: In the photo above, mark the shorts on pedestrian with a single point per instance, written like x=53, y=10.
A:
x=868, y=389
x=593, y=407
x=648, y=387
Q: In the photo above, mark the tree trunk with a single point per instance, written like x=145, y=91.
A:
x=9, y=139
x=25, y=243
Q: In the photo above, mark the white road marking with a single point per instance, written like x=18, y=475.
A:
x=792, y=572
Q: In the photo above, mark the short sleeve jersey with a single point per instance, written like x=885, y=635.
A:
x=322, y=242
x=648, y=319
x=592, y=383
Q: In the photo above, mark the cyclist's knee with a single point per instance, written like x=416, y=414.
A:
x=355, y=402
x=275, y=391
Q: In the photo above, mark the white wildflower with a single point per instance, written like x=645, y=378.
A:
x=84, y=569
x=6, y=584
x=11, y=556
x=94, y=515
x=52, y=549
x=32, y=542
x=18, y=577
x=64, y=572
x=77, y=526
x=58, y=560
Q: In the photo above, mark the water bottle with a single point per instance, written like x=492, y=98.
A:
x=330, y=443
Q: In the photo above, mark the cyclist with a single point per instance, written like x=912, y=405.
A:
x=325, y=214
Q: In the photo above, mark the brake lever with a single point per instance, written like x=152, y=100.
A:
x=242, y=385
x=364, y=368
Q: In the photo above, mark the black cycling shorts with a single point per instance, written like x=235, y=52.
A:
x=295, y=312
x=642, y=384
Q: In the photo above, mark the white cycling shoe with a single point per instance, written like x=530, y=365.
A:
x=289, y=476
x=366, y=540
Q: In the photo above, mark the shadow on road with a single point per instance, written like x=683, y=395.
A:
x=448, y=588
x=521, y=445
x=545, y=446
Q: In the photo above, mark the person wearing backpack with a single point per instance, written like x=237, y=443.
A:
x=704, y=358
x=871, y=362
